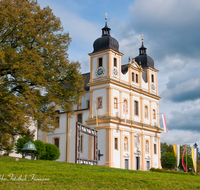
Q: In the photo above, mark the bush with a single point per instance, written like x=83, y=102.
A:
x=51, y=152
x=168, y=160
x=20, y=144
x=39, y=145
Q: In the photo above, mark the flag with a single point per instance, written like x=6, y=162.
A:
x=176, y=148
x=96, y=115
x=183, y=164
x=194, y=157
x=164, y=123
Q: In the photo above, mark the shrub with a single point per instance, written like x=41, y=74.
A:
x=168, y=160
x=20, y=144
x=39, y=145
x=51, y=152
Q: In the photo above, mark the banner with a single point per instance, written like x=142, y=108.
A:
x=194, y=157
x=176, y=148
x=164, y=123
x=183, y=164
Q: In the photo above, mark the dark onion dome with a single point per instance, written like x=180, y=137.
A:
x=105, y=41
x=143, y=59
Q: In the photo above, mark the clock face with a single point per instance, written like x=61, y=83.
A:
x=100, y=71
x=153, y=87
x=115, y=72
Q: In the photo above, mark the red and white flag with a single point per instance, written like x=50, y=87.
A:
x=164, y=123
x=183, y=164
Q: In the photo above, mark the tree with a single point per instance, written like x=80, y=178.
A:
x=168, y=160
x=21, y=141
x=35, y=73
x=166, y=148
x=51, y=152
x=6, y=143
x=39, y=145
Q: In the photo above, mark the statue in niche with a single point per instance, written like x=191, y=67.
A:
x=125, y=143
x=147, y=146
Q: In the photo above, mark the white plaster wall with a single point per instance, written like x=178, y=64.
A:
x=116, y=153
x=96, y=94
x=62, y=124
x=95, y=60
x=62, y=144
x=116, y=112
x=136, y=118
x=154, y=106
x=125, y=77
x=126, y=154
x=84, y=100
x=102, y=145
x=126, y=96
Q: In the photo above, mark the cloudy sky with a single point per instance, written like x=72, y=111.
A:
x=172, y=36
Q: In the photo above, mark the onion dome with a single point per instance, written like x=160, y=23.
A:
x=143, y=59
x=105, y=41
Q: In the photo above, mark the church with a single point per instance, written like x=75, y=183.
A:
x=121, y=102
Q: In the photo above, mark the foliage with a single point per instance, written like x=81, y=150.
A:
x=189, y=162
x=166, y=148
x=64, y=175
x=51, y=152
x=21, y=141
x=35, y=73
x=39, y=145
x=168, y=160
x=6, y=143
x=188, y=149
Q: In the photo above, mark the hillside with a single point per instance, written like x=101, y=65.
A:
x=59, y=175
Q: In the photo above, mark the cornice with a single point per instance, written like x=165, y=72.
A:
x=104, y=51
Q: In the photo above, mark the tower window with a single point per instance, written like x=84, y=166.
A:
x=88, y=104
x=155, y=152
x=115, y=62
x=152, y=78
x=100, y=62
x=136, y=78
x=133, y=77
x=136, y=107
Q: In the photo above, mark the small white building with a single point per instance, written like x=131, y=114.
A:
x=126, y=100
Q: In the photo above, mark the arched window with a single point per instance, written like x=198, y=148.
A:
x=125, y=106
x=136, y=78
x=136, y=107
x=126, y=143
x=115, y=62
x=56, y=141
x=152, y=78
x=133, y=77
x=100, y=62
x=146, y=112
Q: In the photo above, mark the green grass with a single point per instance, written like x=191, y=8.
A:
x=75, y=176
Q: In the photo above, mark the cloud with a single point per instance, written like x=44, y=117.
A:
x=181, y=137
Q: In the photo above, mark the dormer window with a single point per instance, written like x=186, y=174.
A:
x=100, y=62
x=115, y=62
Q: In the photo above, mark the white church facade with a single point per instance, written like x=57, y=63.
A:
x=126, y=102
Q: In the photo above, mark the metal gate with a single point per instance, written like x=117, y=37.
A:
x=80, y=128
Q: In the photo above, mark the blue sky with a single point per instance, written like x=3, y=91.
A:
x=172, y=37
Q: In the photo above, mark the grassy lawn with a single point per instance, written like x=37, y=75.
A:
x=59, y=175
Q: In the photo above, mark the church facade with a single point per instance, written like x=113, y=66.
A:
x=124, y=99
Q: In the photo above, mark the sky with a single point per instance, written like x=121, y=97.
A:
x=171, y=32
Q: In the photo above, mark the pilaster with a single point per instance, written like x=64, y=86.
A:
x=91, y=105
x=143, y=152
x=159, y=159
x=121, y=149
x=151, y=141
x=132, y=150
x=109, y=147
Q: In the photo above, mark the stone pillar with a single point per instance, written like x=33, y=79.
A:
x=152, y=153
x=109, y=147
x=132, y=150
x=121, y=149
x=91, y=105
x=159, y=158
x=142, y=152
x=109, y=101
x=141, y=110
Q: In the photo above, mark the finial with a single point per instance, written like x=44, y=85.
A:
x=106, y=16
x=142, y=37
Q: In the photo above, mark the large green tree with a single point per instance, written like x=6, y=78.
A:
x=35, y=73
